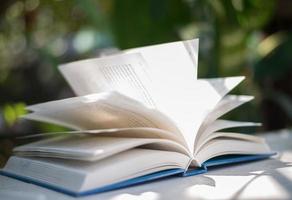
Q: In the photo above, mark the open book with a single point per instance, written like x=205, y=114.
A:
x=139, y=115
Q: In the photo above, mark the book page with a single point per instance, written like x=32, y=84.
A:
x=225, y=105
x=225, y=145
x=107, y=110
x=172, y=66
x=220, y=124
x=190, y=109
x=126, y=74
x=227, y=135
x=93, y=148
x=96, y=111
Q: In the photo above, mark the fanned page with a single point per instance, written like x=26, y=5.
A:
x=228, y=144
x=225, y=105
x=105, y=110
x=181, y=101
x=109, y=110
x=155, y=82
x=114, y=110
x=182, y=98
x=207, y=93
x=218, y=125
x=210, y=143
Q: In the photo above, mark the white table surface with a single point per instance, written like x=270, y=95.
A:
x=267, y=179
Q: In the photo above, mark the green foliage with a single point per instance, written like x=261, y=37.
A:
x=277, y=62
x=12, y=112
x=145, y=22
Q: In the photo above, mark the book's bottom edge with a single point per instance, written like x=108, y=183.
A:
x=118, y=185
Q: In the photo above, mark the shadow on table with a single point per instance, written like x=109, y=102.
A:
x=257, y=168
x=267, y=167
x=173, y=188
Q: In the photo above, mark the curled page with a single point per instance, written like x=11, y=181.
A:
x=107, y=110
x=220, y=124
x=201, y=100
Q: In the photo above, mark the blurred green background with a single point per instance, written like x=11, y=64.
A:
x=237, y=37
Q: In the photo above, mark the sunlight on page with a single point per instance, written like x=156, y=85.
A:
x=94, y=97
x=219, y=191
x=145, y=196
x=230, y=82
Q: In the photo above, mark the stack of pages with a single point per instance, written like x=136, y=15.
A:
x=139, y=115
